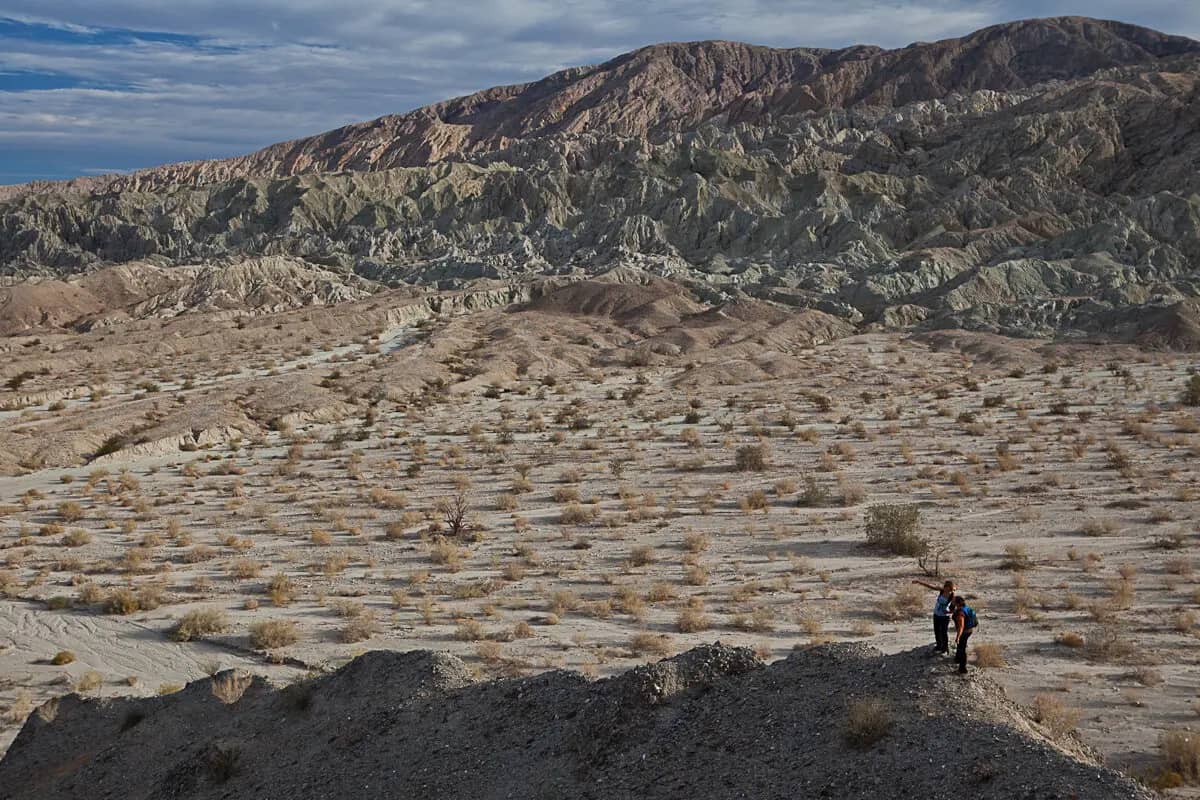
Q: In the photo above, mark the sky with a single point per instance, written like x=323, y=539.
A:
x=90, y=87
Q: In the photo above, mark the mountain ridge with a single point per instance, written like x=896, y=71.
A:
x=1047, y=206
x=744, y=81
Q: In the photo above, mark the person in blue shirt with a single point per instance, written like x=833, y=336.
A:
x=941, y=614
x=965, y=623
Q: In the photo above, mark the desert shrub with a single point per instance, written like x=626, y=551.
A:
x=199, y=622
x=646, y=643
x=868, y=720
x=989, y=655
x=62, y=658
x=755, y=501
x=1191, y=392
x=1070, y=639
x=384, y=498
x=70, y=511
x=566, y=494
x=274, y=633
x=1016, y=558
x=281, y=590
x=469, y=630
x=1181, y=753
x=121, y=601
x=576, y=514
x=1054, y=715
x=896, y=529
x=230, y=686
x=90, y=681
x=244, y=569
x=1107, y=642
x=813, y=495
x=76, y=538
x=642, y=555
x=751, y=458
x=1098, y=527
x=907, y=602
x=359, y=629
x=692, y=618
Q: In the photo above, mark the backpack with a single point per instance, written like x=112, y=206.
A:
x=970, y=619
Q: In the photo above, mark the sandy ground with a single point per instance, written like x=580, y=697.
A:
x=603, y=531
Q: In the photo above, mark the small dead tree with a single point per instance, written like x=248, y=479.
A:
x=453, y=511
x=938, y=550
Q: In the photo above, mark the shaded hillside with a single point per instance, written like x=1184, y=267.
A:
x=713, y=723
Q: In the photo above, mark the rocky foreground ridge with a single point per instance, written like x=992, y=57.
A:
x=713, y=722
x=1032, y=178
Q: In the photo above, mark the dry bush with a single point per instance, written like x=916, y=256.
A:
x=561, y=601
x=345, y=607
x=755, y=501
x=21, y=708
x=752, y=458
x=696, y=542
x=576, y=514
x=270, y=634
x=62, y=658
x=1016, y=558
x=1099, y=527
x=244, y=569
x=852, y=493
x=1055, y=716
x=384, y=498
x=70, y=511
x=696, y=575
x=76, y=538
x=1070, y=639
x=359, y=629
x=281, y=590
x=1107, y=642
x=692, y=618
x=566, y=494
x=646, y=643
x=906, y=603
x=121, y=600
x=469, y=630
x=868, y=720
x=759, y=620
x=896, y=529
x=642, y=555
x=445, y=553
x=1181, y=754
x=199, y=622
x=90, y=681
x=990, y=655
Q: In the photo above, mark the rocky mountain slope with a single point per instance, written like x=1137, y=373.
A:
x=713, y=722
x=1031, y=178
x=663, y=89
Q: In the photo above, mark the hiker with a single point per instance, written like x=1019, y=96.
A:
x=965, y=623
x=941, y=614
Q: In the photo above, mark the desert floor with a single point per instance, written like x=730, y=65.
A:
x=606, y=520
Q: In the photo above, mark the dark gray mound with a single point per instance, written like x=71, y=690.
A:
x=711, y=723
